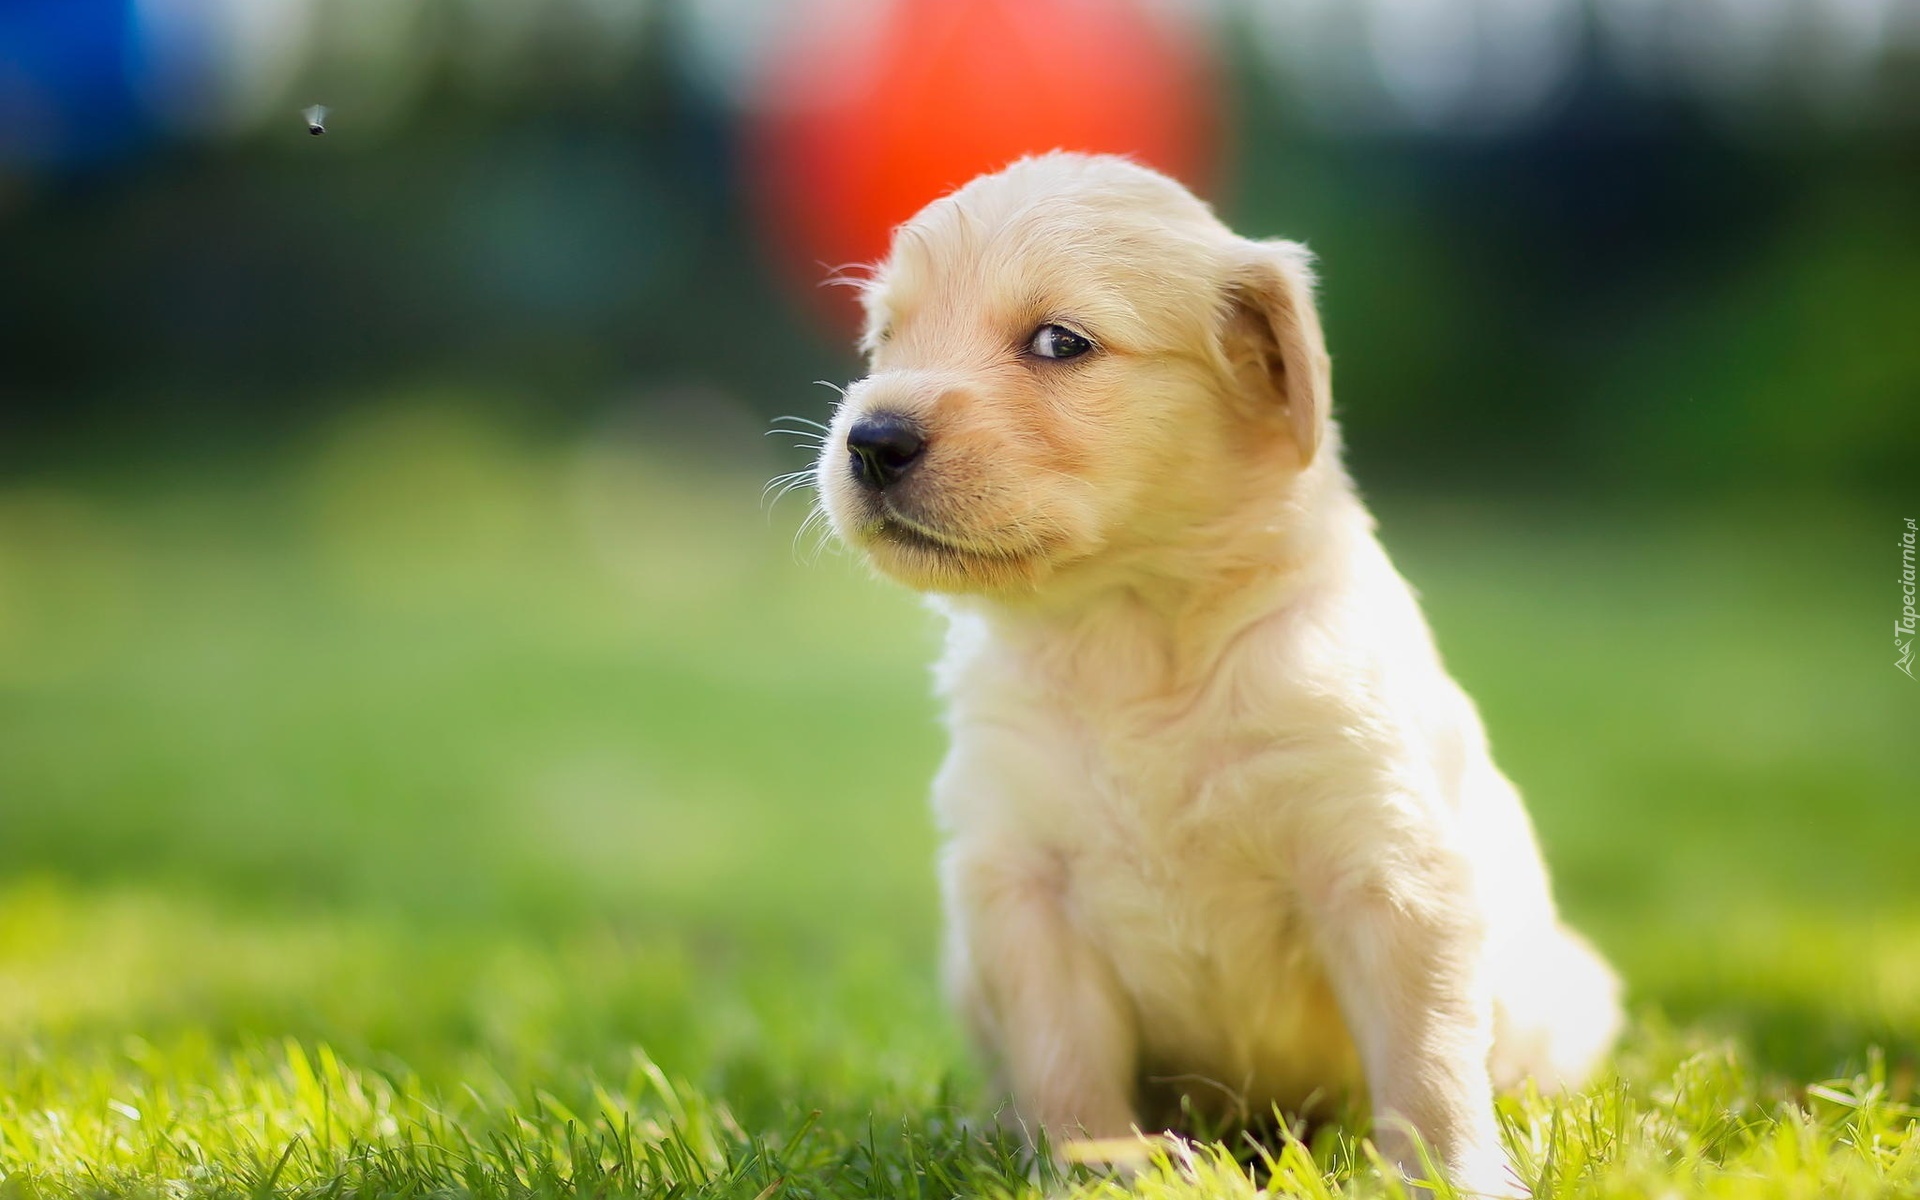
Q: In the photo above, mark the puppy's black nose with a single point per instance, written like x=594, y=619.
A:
x=882, y=446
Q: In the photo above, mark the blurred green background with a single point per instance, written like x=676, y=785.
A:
x=396, y=651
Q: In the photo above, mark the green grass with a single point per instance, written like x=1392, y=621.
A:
x=435, y=811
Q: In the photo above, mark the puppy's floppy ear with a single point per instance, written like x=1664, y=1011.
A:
x=1271, y=337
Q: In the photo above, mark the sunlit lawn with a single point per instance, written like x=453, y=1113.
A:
x=430, y=809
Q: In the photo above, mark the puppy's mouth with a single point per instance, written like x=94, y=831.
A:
x=895, y=527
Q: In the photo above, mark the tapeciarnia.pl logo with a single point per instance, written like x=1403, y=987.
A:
x=1903, y=628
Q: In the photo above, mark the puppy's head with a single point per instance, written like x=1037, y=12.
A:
x=1073, y=363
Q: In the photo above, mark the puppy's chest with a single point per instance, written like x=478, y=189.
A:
x=1173, y=853
x=1181, y=877
x=1175, y=827
x=1176, y=843
x=1174, y=785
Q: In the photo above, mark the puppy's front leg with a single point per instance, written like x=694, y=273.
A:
x=1401, y=942
x=1038, y=994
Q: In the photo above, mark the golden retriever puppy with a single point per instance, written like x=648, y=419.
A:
x=1216, y=818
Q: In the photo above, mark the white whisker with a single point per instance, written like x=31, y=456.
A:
x=791, y=486
x=786, y=480
x=802, y=437
x=821, y=426
x=816, y=517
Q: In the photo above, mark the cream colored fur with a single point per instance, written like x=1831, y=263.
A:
x=1216, y=818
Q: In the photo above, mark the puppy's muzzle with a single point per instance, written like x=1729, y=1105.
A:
x=882, y=447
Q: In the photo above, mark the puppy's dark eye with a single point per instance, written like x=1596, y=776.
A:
x=1057, y=341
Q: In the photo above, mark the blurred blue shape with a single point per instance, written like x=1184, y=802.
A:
x=68, y=82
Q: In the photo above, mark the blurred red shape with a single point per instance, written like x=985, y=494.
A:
x=872, y=108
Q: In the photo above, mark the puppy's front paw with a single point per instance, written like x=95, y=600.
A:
x=1125, y=1157
x=1483, y=1169
x=1478, y=1168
